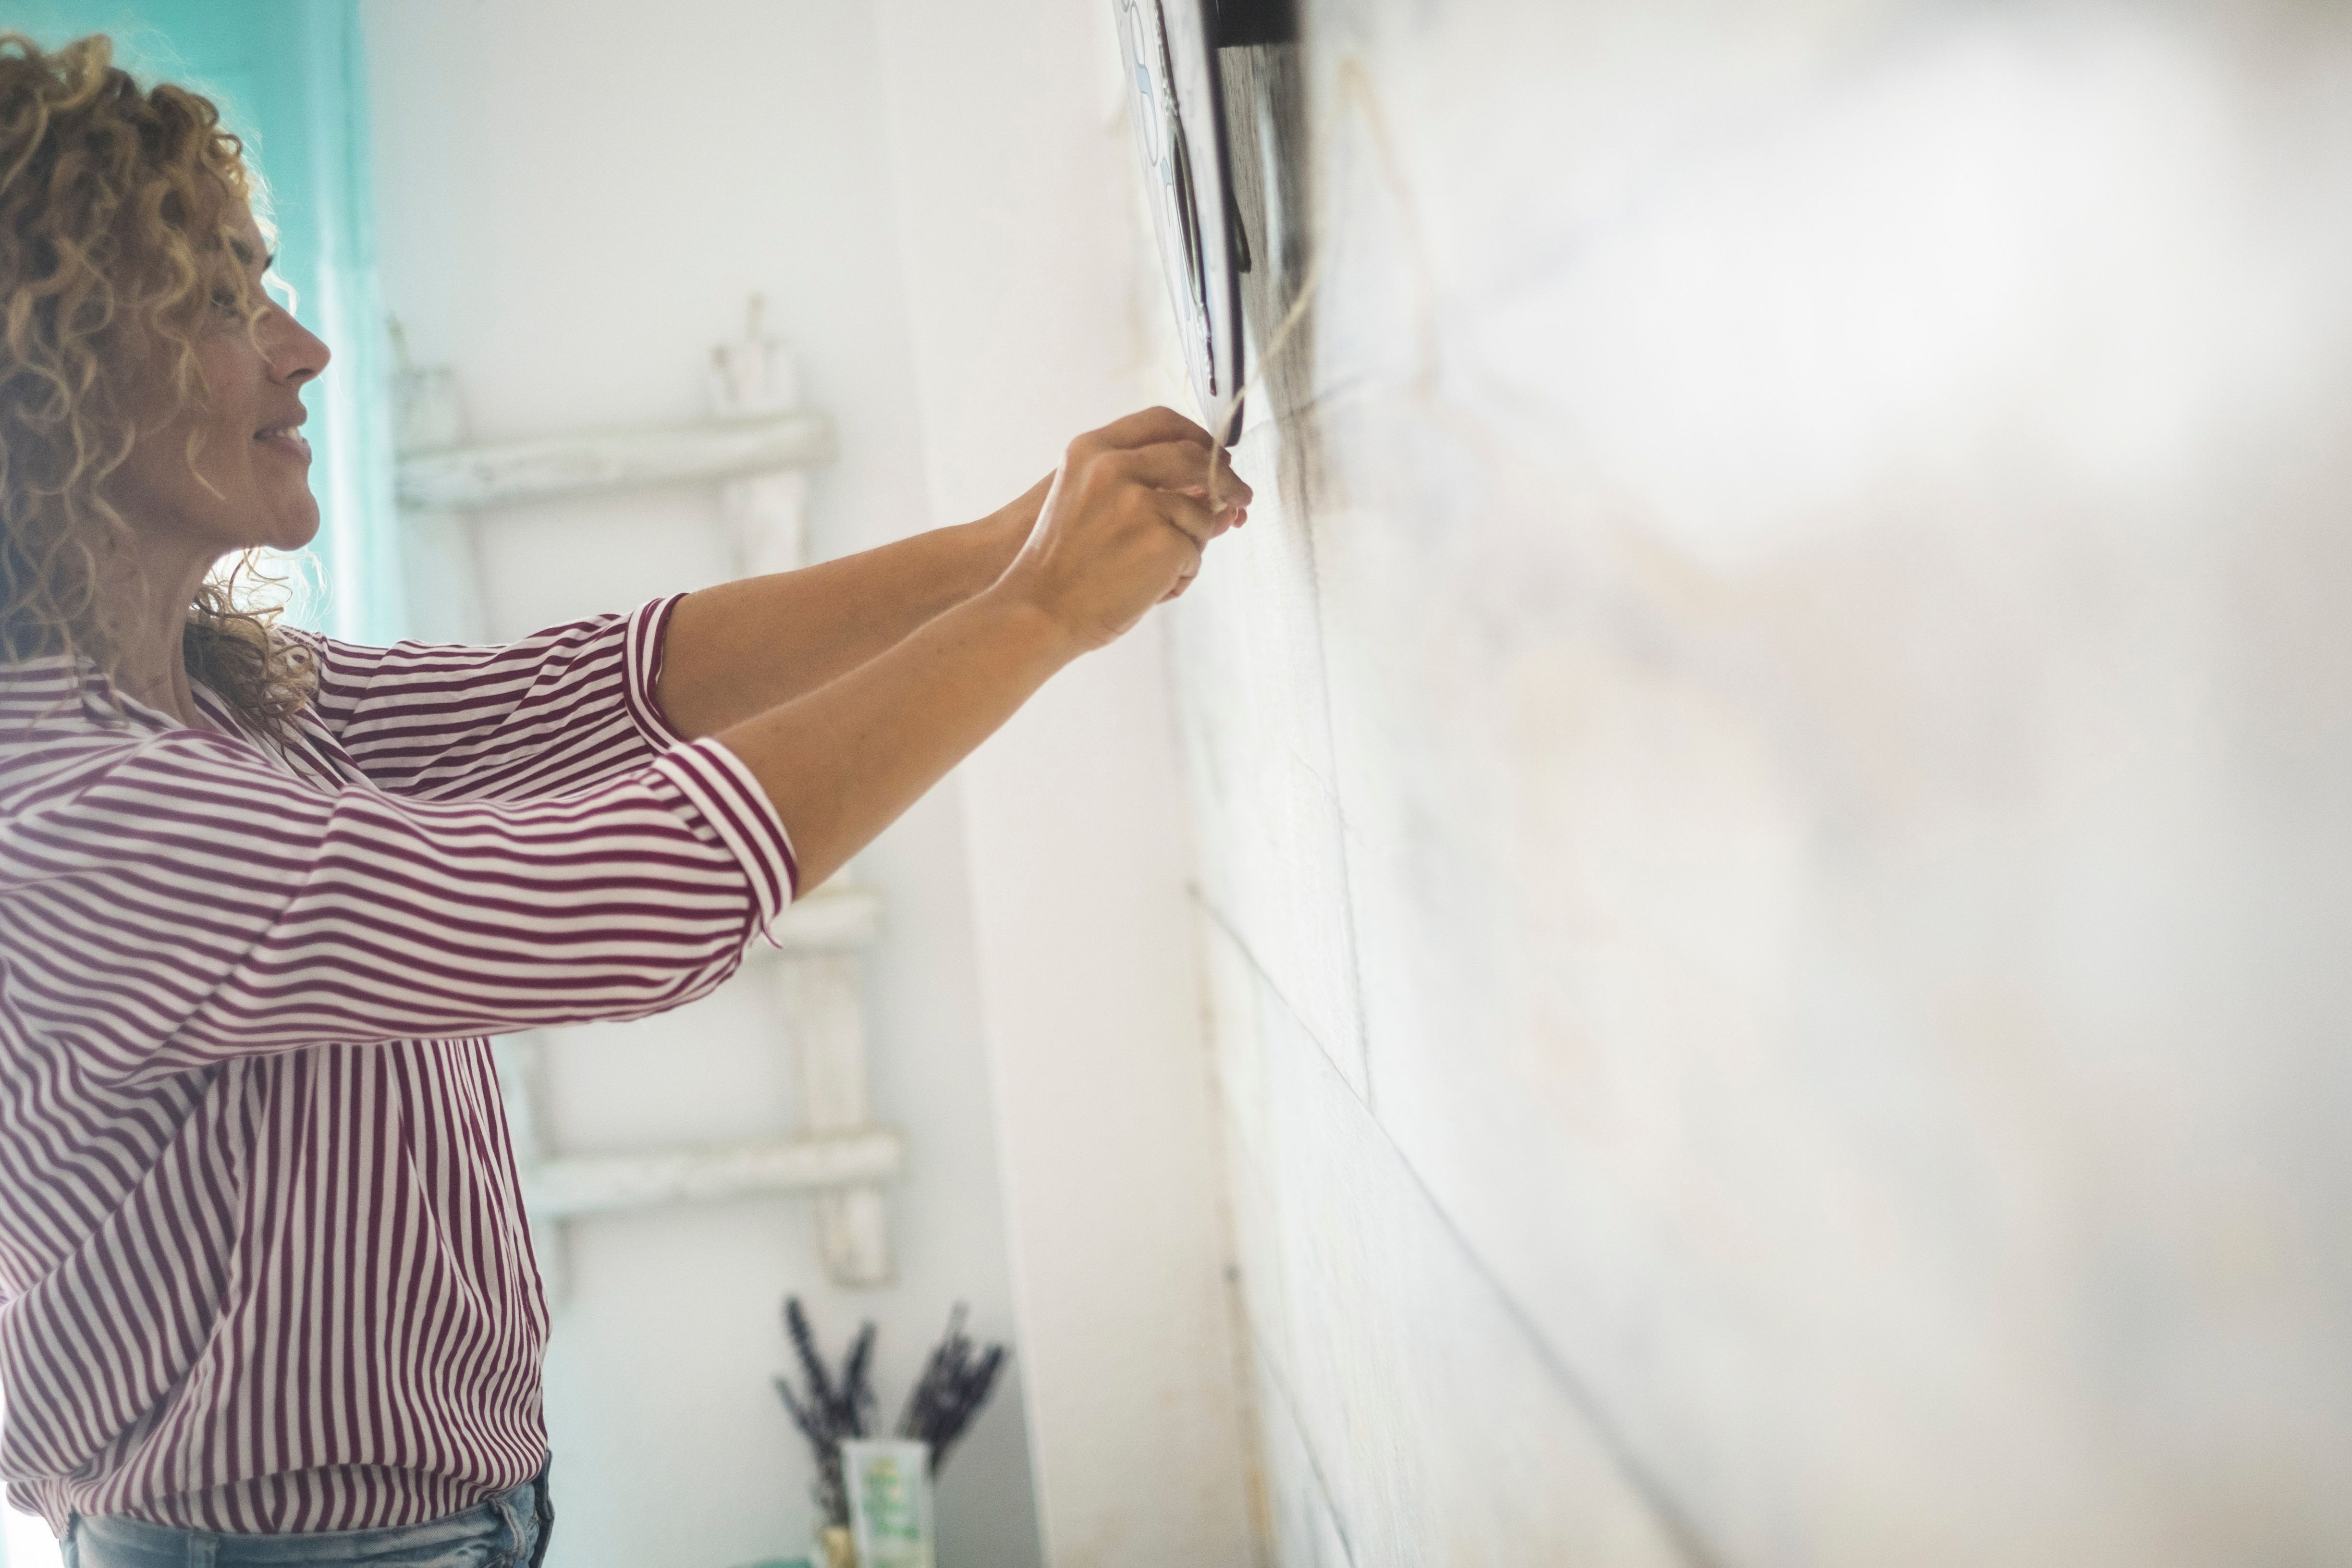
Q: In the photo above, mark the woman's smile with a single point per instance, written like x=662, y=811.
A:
x=286, y=437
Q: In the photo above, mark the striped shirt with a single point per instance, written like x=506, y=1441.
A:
x=264, y=1267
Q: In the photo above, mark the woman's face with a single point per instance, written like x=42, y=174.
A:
x=250, y=480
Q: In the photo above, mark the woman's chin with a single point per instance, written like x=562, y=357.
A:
x=296, y=526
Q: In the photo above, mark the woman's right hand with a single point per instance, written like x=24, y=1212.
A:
x=1132, y=509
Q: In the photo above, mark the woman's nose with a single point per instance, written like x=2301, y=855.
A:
x=295, y=353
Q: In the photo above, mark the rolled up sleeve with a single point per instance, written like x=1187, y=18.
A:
x=185, y=902
x=553, y=710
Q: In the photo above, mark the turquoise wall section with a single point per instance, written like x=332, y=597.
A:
x=290, y=79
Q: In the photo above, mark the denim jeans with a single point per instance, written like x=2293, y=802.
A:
x=508, y=1531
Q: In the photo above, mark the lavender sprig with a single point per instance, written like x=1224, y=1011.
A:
x=831, y=1411
x=954, y=1385
x=957, y=1380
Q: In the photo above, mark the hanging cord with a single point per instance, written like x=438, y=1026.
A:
x=1356, y=93
x=1229, y=413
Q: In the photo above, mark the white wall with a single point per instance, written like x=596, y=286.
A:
x=1013, y=178
x=577, y=197
x=1773, y=791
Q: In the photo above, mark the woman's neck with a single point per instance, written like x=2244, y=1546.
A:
x=152, y=586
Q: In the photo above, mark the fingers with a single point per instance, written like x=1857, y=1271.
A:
x=1189, y=569
x=1183, y=466
x=1129, y=514
x=1194, y=518
x=1150, y=428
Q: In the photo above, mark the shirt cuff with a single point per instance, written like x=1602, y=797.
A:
x=642, y=645
x=718, y=785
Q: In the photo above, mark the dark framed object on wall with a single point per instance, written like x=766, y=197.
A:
x=1177, y=102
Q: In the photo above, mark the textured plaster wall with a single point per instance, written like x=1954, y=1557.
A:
x=1771, y=780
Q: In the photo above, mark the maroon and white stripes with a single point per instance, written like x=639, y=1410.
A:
x=263, y=1264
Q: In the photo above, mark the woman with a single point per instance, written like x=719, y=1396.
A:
x=266, y=1288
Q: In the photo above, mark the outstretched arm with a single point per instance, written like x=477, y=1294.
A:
x=570, y=706
x=1121, y=527
x=222, y=909
x=743, y=648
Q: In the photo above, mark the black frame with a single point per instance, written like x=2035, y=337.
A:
x=1177, y=102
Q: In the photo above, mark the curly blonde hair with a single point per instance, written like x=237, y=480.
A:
x=116, y=239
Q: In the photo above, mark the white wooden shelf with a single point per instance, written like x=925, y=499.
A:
x=475, y=479
x=572, y=1185
x=838, y=917
x=754, y=448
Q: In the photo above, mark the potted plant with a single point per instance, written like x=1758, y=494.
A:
x=834, y=1408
